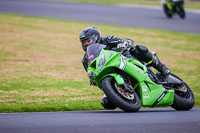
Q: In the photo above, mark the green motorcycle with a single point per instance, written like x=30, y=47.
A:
x=172, y=7
x=129, y=84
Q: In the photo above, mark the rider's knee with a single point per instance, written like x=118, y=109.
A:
x=141, y=49
x=143, y=53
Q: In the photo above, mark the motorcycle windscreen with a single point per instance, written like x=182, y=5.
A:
x=93, y=51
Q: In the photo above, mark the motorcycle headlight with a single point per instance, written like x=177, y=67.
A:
x=101, y=62
x=91, y=74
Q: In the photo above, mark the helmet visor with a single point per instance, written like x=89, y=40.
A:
x=87, y=41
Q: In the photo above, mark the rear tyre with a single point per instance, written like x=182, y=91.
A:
x=108, y=86
x=183, y=100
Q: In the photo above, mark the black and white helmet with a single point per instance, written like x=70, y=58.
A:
x=90, y=33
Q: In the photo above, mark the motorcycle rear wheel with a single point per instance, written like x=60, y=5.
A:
x=119, y=101
x=183, y=100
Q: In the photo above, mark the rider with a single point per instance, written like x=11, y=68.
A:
x=92, y=35
x=164, y=2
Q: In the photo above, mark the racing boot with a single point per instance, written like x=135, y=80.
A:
x=106, y=103
x=158, y=65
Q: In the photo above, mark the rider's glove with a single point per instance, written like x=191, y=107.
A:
x=92, y=83
x=125, y=44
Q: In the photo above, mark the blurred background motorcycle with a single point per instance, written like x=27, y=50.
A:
x=172, y=7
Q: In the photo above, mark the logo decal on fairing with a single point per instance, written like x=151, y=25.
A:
x=110, y=55
x=90, y=57
x=137, y=72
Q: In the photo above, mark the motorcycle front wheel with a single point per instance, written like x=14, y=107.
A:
x=131, y=104
x=181, y=11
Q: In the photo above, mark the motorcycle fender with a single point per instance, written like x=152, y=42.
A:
x=173, y=80
x=117, y=77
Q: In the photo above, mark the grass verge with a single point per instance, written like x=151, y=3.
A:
x=41, y=70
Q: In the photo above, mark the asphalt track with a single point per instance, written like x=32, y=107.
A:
x=161, y=120
x=143, y=17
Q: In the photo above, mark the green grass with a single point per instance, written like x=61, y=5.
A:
x=53, y=106
x=41, y=70
x=188, y=4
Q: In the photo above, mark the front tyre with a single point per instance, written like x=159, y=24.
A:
x=109, y=88
x=183, y=100
x=181, y=12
